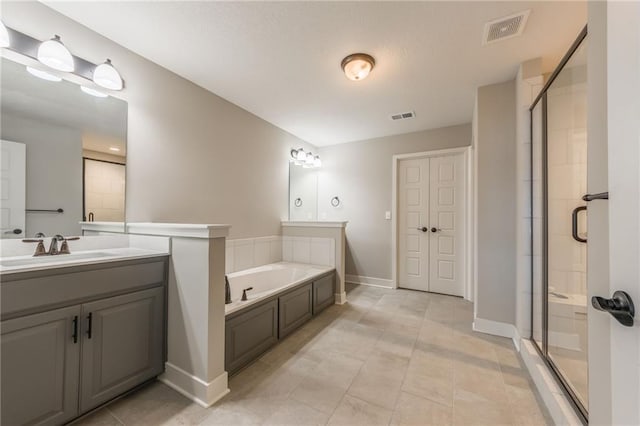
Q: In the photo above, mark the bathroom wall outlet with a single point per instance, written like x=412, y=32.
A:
x=387, y=215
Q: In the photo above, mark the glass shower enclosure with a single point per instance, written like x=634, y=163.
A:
x=559, y=236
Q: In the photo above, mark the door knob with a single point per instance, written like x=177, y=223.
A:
x=423, y=229
x=434, y=229
x=620, y=306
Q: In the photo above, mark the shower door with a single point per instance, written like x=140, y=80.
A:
x=559, y=180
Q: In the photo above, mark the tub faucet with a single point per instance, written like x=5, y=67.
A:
x=227, y=291
x=244, y=293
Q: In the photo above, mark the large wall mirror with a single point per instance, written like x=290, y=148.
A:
x=63, y=155
x=303, y=193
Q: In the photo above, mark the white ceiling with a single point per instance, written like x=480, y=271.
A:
x=281, y=60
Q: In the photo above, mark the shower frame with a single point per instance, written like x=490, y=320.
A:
x=579, y=408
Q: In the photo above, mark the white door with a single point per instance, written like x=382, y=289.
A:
x=614, y=225
x=413, y=242
x=431, y=224
x=13, y=189
x=446, y=207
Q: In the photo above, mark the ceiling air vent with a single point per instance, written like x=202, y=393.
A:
x=403, y=115
x=505, y=28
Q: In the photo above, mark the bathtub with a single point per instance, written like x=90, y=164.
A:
x=268, y=280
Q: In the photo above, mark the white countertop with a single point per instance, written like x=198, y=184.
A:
x=86, y=257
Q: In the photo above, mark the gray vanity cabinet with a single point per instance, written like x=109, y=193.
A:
x=40, y=358
x=122, y=344
x=249, y=334
x=323, y=293
x=295, y=308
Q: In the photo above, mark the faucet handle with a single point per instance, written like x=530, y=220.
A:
x=64, y=247
x=244, y=293
x=40, y=250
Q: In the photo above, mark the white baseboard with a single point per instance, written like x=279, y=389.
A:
x=341, y=298
x=554, y=399
x=202, y=393
x=371, y=281
x=498, y=328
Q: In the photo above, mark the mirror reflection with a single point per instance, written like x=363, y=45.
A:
x=303, y=193
x=63, y=155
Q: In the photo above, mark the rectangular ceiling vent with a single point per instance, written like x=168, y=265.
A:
x=505, y=28
x=403, y=115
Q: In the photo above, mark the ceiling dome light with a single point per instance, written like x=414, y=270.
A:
x=54, y=54
x=43, y=74
x=93, y=92
x=357, y=66
x=4, y=36
x=105, y=75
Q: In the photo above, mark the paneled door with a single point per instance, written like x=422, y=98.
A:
x=413, y=224
x=12, y=189
x=431, y=224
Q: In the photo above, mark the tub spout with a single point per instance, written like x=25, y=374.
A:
x=227, y=291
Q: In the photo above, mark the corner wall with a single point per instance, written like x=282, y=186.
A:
x=496, y=203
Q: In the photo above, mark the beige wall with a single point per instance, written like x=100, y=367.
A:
x=191, y=155
x=496, y=203
x=360, y=174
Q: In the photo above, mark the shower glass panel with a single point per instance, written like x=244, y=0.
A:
x=558, y=224
x=566, y=164
x=538, y=296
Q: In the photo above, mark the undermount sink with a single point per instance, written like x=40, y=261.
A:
x=53, y=259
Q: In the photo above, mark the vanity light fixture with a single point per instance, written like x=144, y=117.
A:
x=105, y=75
x=43, y=74
x=93, y=92
x=54, y=54
x=5, y=41
x=304, y=159
x=357, y=66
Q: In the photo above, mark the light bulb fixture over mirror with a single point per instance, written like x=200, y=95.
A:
x=305, y=159
x=357, y=66
x=5, y=41
x=105, y=75
x=54, y=54
x=43, y=74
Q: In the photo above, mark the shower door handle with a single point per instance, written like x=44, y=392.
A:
x=574, y=224
x=620, y=306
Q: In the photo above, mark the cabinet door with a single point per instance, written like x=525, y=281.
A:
x=323, y=293
x=122, y=344
x=250, y=334
x=40, y=368
x=296, y=308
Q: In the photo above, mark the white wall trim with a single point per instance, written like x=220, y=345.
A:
x=199, y=391
x=554, y=399
x=187, y=230
x=320, y=224
x=497, y=328
x=469, y=235
x=340, y=298
x=370, y=281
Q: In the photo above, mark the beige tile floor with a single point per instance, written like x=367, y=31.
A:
x=388, y=357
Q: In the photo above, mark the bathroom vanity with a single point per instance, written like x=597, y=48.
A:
x=78, y=334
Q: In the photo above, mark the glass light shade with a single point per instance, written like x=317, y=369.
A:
x=4, y=36
x=301, y=156
x=93, y=92
x=294, y=155
x=309, y=160
x=357, y=66
x=317, y=162
x=43, y=74
x=54, y=54
x=105, y=75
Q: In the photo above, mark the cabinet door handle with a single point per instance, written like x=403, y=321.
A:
x=89, y=317
x=75, y=329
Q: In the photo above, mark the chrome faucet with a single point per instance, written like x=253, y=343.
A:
x=53, y=247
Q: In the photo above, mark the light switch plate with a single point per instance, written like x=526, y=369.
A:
x=387, y=215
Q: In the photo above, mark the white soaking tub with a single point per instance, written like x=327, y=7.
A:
x=268, y=280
